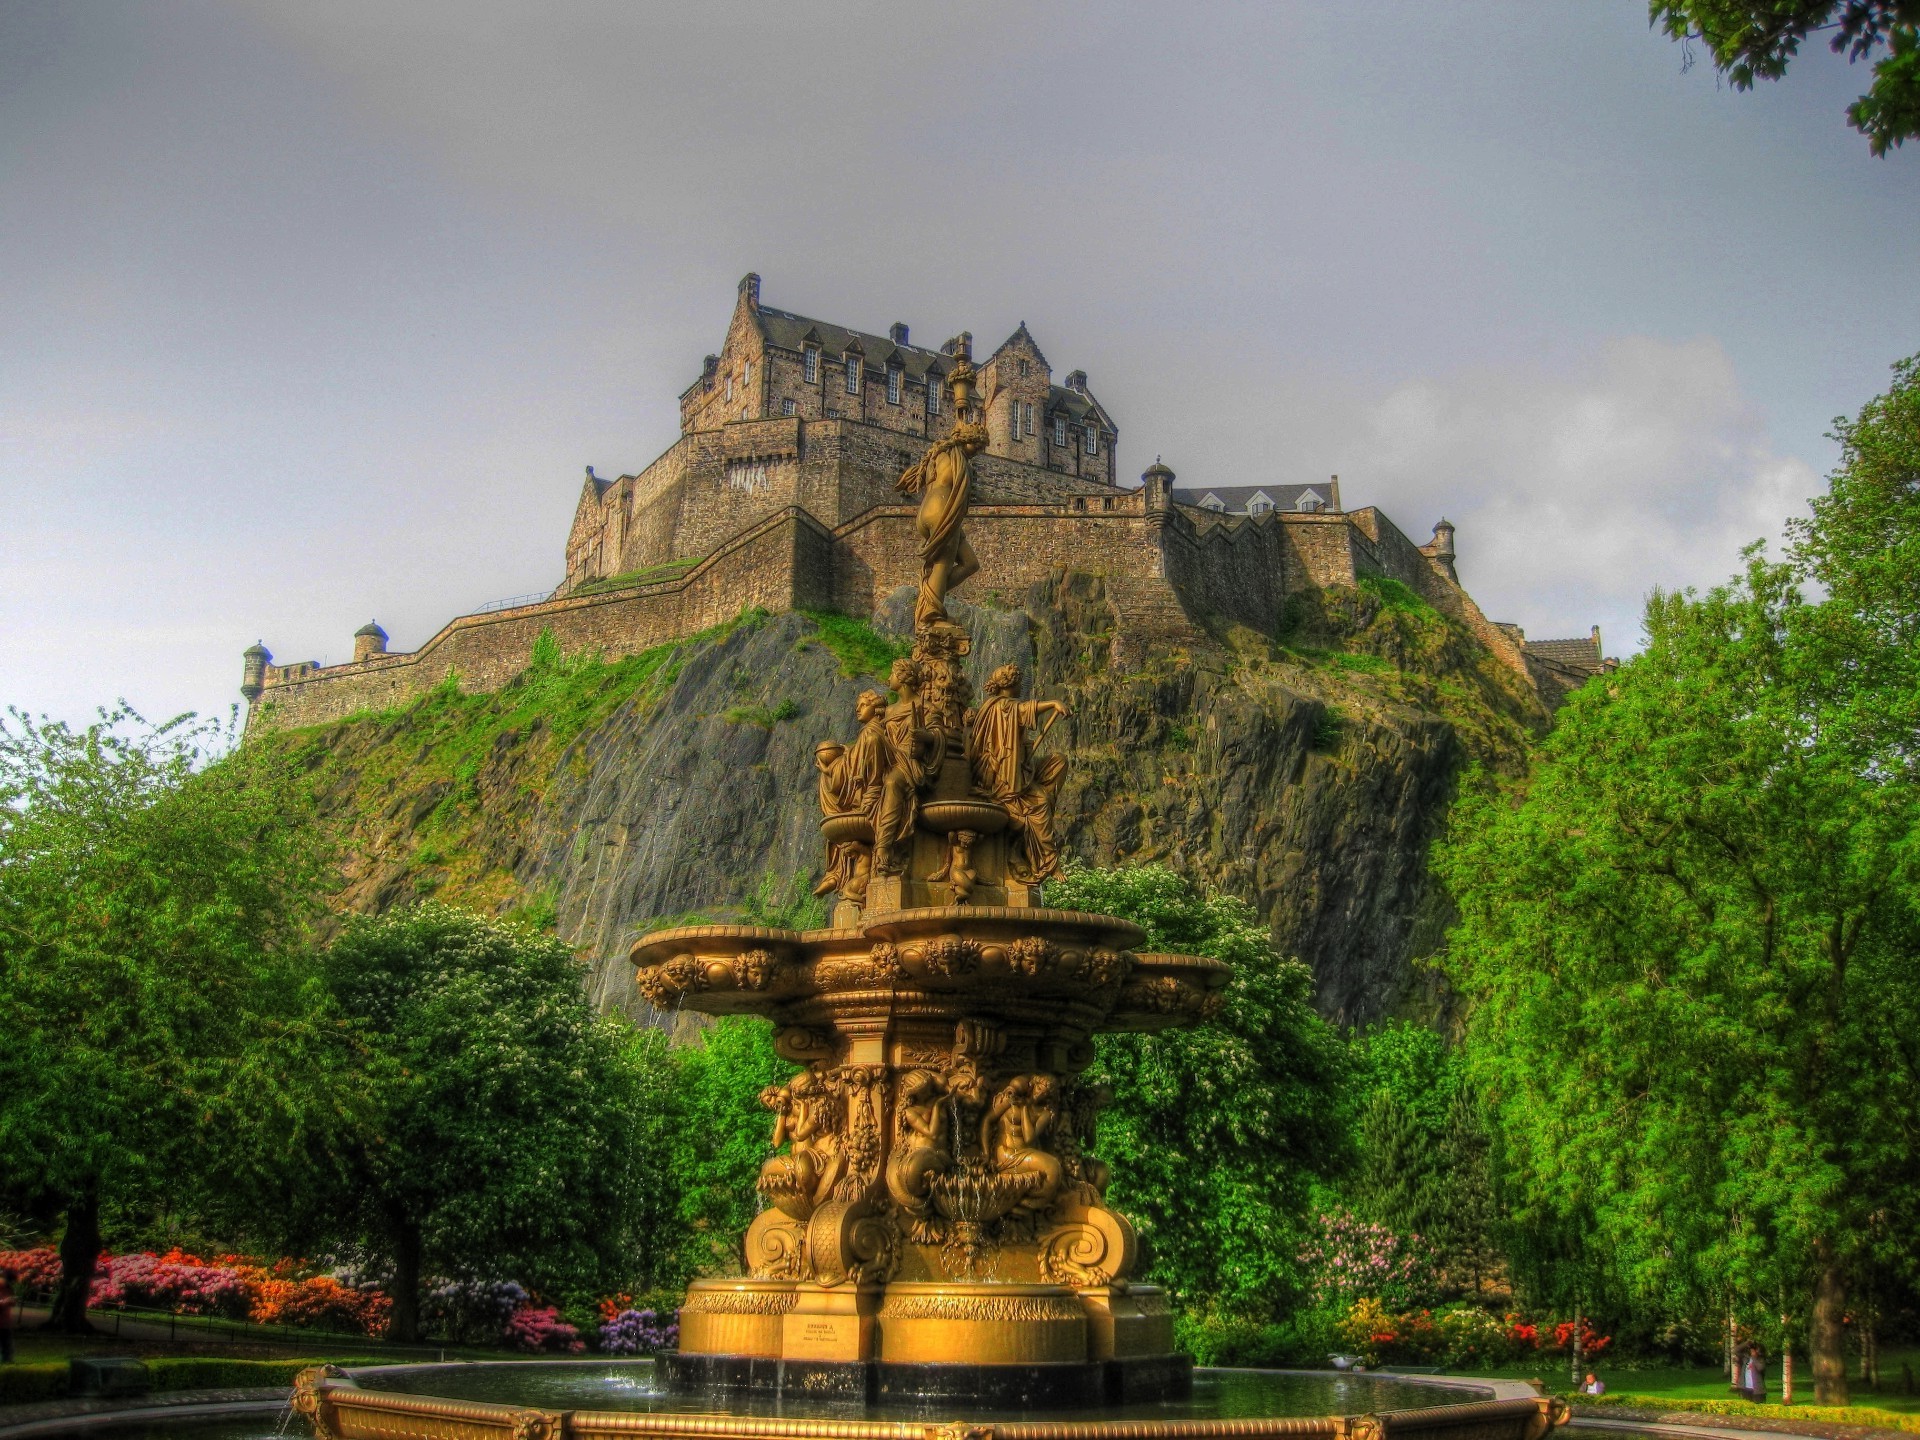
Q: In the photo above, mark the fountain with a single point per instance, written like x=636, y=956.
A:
x=936, y=1236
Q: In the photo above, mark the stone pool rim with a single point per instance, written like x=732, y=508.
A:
x=340, y=1409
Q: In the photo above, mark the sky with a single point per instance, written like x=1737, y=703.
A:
x=311, y=314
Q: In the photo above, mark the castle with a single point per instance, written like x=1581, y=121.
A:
x=780, y=493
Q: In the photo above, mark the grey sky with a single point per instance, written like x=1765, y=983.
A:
x=311, y=313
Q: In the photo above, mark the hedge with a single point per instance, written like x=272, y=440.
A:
x=47, y=1380
x=1662, y=1407
x=24, y=1384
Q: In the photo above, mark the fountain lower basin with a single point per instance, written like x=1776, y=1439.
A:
x=580, y=1400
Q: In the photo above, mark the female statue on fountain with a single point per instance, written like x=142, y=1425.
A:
x=943, y=479
x=1005, y=768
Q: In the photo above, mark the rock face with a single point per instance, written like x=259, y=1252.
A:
x=1307, y=777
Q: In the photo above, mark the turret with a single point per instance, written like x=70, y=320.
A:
x=1440, y=548
x=369, y=640
x=1158, y=483
x=253, y=674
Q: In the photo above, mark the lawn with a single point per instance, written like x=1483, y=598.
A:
x=1682, y=1388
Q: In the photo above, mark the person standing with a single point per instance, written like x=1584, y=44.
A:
x=1753, y=1377
x=9, y=1305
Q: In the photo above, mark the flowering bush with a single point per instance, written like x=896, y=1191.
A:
x=1350, y=1259
x=472, y=1312
x=1590, y=1343
x=39, y=1269
x=638, y=1332
x=539, y=1328
x=1461, y=1336
x=175, y=1281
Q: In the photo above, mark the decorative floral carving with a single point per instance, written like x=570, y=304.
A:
x=536, y=1425
x=950, y=956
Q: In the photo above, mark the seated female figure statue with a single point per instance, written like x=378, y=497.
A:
x=800, y=1181
x=920, y=1148
x=1015, y=1134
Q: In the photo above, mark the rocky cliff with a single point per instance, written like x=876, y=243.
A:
x=1306, y=774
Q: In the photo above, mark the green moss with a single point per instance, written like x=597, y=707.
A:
x=860, y=649
x=765, y=716
x=1395, y=595
x=652, y=575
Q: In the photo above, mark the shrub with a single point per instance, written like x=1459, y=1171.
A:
x=39, y=1269
x=24, y=1384
x=540, y=1328
x=472, y=1312
x=638, y=1332
x=1349, y=1259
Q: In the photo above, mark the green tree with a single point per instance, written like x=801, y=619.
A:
x=721, y=1141
x=503, y=1128
x=1464, y=1223
x=1689, y=948
x=153, y=922
x=1215, y=1133
x=1756, y=39
x=1397, y=1181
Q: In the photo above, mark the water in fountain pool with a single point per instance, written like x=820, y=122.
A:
x=630, y=1385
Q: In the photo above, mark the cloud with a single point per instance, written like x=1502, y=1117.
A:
x=1575, y=495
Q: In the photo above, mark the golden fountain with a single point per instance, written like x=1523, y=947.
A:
x=934, y=1223
x=936, y=1249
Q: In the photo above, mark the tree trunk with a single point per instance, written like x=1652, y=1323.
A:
x=79, y=1253
x=1579, y=1350
x=1733, y=1349
x=1827, y=1340
x=405, y=1324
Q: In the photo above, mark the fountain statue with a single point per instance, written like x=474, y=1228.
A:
x=934, y=1217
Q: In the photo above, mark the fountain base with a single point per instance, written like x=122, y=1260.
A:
x=1042, y=1385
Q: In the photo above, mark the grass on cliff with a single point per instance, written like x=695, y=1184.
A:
x=652, y=575
x=860, y=649
x=441, y=783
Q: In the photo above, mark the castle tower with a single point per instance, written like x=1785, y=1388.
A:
x=369, y=640
x=253, y=674
x=1157, y=480
x=1440, y=548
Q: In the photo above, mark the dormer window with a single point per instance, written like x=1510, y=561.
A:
x=1060, y=432
x=1259, y=505
x=810, y=363
x=893, y=384
x=1309, y=502
x=1214, y=503
x=1093, y=440
x=853, y=374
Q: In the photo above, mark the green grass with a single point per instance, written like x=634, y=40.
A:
x=1395, y=595
x=860, y=649
x=1703, y=1390
x=765, y=716
x=652, y=575
x=453, y=755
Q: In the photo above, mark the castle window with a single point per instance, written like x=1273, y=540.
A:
x=1023, y=369
x=853, y=374
x=729, y=387
x=1060, y=432
x=746, y=379
x=810, y=363
x=933, y=393
x=893, y=384
x=1030, y=419
x=1093, y=441
x=787, y=407
x=747, y=475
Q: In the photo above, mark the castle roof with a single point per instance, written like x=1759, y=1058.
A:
x=1581, y=654
x=1239, y=499
x=788, y=331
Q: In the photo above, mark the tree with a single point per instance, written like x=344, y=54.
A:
x=1688, y=943
x=1397, y=1182
x=504, y=1128
x=1756, y=39
x=1215, y=1133
x=153, y=919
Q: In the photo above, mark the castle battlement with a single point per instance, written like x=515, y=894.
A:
x=780, y=492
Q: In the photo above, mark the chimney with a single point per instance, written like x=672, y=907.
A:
x=1334, y=485
x=750, y=290
x=1077, y=381
x=897, y=332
